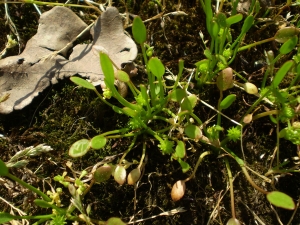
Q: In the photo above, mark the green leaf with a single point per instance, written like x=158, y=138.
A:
x=209, y=15
x=234, y=19
x=186, y=105
x=215, y=29
x=122, y=76
x=103, y=173
x=139, y=30
x=226, y=102
x=6, y=217
x=180, y=149
x=203, y=65
x=108, y=70
x=289, y=45
x=281, y=200
x=208, y=55
x=115, y=221
x=184, y=166
x=193, y=131
x=157, y=89
x=98, y=142
x=247, y=24
x=83, y=83
x=3, y=168
x=221, y=20
x=180, y=66
x=144, y=94
x=193, y=100
x=79, y=148
x=43, y=204
x=177, y=95
x=281, y=73
x=156, y=67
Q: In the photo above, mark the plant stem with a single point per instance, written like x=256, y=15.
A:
x=271, y=112
x=197, y=164
x=150, y=76
x=253, y=106
x=49, y=3
x=196, y=118
x=255, y=43
x=123, y=135
x=161, y=118
x=115, y=131
x=231, y=187
x=277, y=140
x=34, y=217
x=243, y=167
x=143, y=155
x=129, y=149
x=165, y=129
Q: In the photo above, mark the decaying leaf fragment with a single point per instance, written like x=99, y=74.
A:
x=24, y=76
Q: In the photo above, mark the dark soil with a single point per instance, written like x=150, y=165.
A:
x=64, y=114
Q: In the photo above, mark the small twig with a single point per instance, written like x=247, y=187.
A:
x=152, y=18
x=277, y=216
x=92, y=6
x=20, y=212
x=167, y=213
x=219, y=201
x=254, y=214
x=261, y=176
x=37, y=9
x=294, y=213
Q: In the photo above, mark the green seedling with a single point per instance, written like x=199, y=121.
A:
x=149, y=106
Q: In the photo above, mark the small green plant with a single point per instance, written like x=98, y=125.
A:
x=152, y=103
x=52, y=199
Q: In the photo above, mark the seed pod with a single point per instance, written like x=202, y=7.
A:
x=233, y=221
x=134, y=176
x=248, y=118
x=178, y=190
x=120, y=174
x=103, y=173
x=250, y=88
x=72, y=189
x=286, y=33
x=225, y=79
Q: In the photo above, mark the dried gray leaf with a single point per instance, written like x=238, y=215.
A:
x=24, y=76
